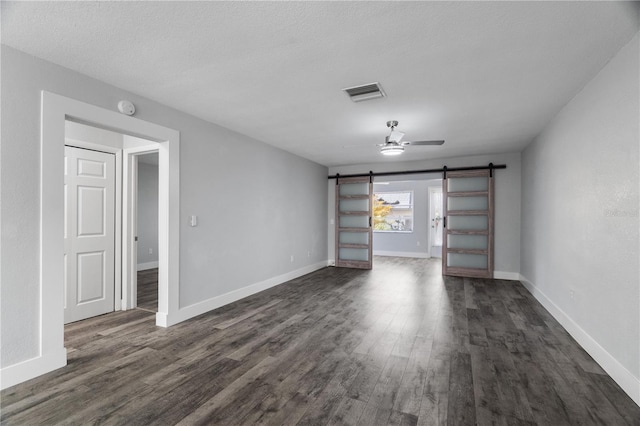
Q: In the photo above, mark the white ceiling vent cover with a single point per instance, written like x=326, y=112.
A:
x=365, y=92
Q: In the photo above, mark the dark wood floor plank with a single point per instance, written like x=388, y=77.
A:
x=384, y=394
x=348, y=412
x=409, y=395
x=611, y=390
x=398, y=344
x=148, y=290
x=402, y=419
x=435, y=397
x=461, y=408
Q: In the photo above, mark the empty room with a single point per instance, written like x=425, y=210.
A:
x=328, y=213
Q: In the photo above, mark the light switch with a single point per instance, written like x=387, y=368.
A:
x=194, y=220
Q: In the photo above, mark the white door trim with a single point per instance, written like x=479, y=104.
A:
x=55, y=110
x=118, y=208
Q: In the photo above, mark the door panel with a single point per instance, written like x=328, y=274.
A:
x=468, y=223
x=467, y=241
x=91, y=276
x=468, y=206
x=91, y=211
x=353, y=238
x=353, y=220
x=89, y=233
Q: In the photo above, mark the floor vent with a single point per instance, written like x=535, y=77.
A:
x=365, y=92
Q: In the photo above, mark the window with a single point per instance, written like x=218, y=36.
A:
x=393, y=211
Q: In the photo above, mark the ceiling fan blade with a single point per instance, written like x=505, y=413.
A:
x=423, y=143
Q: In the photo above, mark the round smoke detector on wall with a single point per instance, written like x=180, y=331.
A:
x=126, y=107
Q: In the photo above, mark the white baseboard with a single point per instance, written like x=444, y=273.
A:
x=401, y=254
x=183, y=314
x=31, y=368
x=147, y=265
x=501, y=275
x=618, y=372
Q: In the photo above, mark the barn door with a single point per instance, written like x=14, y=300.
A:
x=468, y=206
x=353, y=222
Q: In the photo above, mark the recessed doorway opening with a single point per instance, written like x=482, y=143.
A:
x=102, y=199
x=147, y=232
x=404, y=224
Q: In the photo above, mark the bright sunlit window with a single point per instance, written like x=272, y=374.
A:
x=393, y=211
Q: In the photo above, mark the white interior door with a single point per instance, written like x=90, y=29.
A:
x=89, y=233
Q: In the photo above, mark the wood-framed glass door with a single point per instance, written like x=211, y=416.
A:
x=468, y=237
x=353, y=222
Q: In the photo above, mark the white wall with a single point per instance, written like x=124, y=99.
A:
x=257, y=205
x=580, y=218
x=147, y=215
x=507, y=201
x=406, y=243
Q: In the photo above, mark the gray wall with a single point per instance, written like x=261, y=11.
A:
x=580, y=211
x=147, y=213
x=507, y=201
x=257, y=205
x=401, y=242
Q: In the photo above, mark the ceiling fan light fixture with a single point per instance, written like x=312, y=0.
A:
x=392, y=149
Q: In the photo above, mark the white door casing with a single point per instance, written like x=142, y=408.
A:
x=89, y=233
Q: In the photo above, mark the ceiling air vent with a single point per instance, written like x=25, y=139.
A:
x=365, y=92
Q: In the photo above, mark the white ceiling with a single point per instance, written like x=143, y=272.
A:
x=485, y=76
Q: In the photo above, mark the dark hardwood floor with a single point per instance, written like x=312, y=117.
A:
x=396, y=345
x=148, y=290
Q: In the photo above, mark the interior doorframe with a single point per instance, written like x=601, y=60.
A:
x=55, y=110
x=130, y=230
x=117, y=291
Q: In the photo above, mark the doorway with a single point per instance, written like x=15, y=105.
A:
x=435, y=221
x=402, y=217
x=147, y=232
x=100, y=267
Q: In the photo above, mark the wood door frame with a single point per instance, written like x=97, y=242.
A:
x=117, y=291
x=55, y=110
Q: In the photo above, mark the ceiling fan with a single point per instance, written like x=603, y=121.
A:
x=394, y=145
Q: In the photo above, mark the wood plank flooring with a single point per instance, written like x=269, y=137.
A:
x=397, y=345
x=148, y=290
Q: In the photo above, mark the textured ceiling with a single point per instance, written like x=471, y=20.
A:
x=485, y=76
